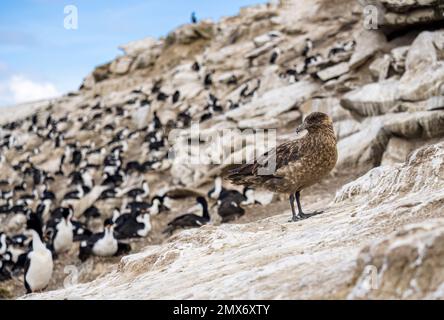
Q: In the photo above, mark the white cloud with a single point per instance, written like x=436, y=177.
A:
x=22, y=89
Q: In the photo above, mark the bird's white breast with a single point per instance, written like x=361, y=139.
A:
x=40, y=269
x=147, y=222
x=64, y=238
x=106, y=246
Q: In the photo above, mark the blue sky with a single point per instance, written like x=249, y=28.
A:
x=39, y=57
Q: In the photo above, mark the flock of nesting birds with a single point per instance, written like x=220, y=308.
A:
x=52, y=230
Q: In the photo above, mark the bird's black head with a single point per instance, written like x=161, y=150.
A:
x=66, y=213
x=34, y=223
x=108, y=223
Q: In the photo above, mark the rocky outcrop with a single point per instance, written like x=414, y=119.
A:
x=368, y=43
x=398, y=149
x=421, y=80
x=422, y=171
x=368, y=141
x=398, y=107
x=405, y=265
x=373, y=99
x=275, y=102
x=187, y=34
x=398, y=13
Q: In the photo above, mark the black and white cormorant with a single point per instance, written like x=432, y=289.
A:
x=61, y=232
x=133, y=226
x=215, y=192
x=191, y=220
x=80, y=231
x=274, y=57
x=229, y=210
x=307, y=47
x=341, y=47
x=195, y=67
x=7, y=208
x=75, y=195
x=176, y=96
x=103, y=244
x=47, y=194
x=39, y=264
x=19, y=240
x=91, y=213
x=142, y=192
x=137, y=206
x=208, y=81
x=110, y=193
x=3, y=243
x=158, y=205
x=161, y=96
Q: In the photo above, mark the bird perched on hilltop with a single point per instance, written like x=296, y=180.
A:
x=293, y=165
x=193, y=17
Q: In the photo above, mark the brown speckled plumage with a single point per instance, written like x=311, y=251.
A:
x=300, y=163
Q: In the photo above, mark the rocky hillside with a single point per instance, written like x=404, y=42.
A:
x=389, y=219
x=379, y=236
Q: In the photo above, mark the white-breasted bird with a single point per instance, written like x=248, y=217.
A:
x=39, y=263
